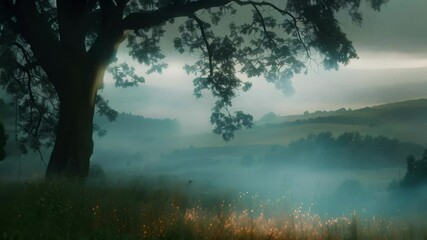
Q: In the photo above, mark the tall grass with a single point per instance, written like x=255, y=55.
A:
x=137, y=210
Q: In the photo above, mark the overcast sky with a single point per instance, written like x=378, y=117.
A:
x=392, y=46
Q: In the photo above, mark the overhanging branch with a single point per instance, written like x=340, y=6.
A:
x=263, y=25
x=200, y=23
x=145, y=19
x=27, y=69
x=36, y=31
x=282, y=12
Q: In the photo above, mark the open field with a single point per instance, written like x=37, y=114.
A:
x=249, y=188
x=137, y=210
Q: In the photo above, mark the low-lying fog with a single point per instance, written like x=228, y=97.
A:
x=332, y=192
x=333, y=174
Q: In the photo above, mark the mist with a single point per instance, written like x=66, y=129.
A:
x=335, y=162
x=335, y=145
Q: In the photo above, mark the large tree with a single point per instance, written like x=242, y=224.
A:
x=53, y=56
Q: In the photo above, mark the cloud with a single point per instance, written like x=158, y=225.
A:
x=285, y=85
x=398, y=27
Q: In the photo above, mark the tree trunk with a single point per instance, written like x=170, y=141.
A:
x=77, y=77
x=73, y=146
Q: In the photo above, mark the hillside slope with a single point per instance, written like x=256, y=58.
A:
x=411, y=110
x=406, y=121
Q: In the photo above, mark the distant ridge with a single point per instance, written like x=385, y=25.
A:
x=395, y=111
x=420, y=102
x=127, y=124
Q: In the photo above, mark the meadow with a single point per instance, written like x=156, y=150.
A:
x=164, y=209
x=250, y=188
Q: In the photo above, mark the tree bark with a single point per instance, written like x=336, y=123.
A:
x=77, y=76
x=73, y=146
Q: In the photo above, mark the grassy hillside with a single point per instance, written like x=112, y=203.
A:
x=406, y=121
x=411, y=110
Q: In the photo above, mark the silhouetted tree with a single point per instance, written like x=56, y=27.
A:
x=3, y=139
x=416, y=171
x=53, y=56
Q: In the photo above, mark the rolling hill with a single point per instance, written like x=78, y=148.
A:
x=379, y=136
x=405, y=111
x=405, y=121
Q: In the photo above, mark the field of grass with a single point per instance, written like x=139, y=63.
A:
x=148, y=209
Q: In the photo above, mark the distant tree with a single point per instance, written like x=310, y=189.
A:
x=3, y=139
x=269, y=117
x=53, y=56
x=416, y=171
x=341, y=110
x=350, y=138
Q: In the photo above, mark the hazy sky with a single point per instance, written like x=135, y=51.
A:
x=392, y=46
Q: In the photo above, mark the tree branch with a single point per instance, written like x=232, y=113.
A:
x=294, y=20
x=200, y=23
x=27, y=69
x=91, y=20
x=29, y=64
x=263, y=25
x=71, y=28
x=121, y=4
x=145, y=19
x=283, y=12
x=110, y=35
x=36, y=31
x=91, y=4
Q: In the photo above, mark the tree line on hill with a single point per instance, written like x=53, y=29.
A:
x=138, y=125
x=322, y=150
x=404, y=112
x=350, y=149
x=346, y=120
